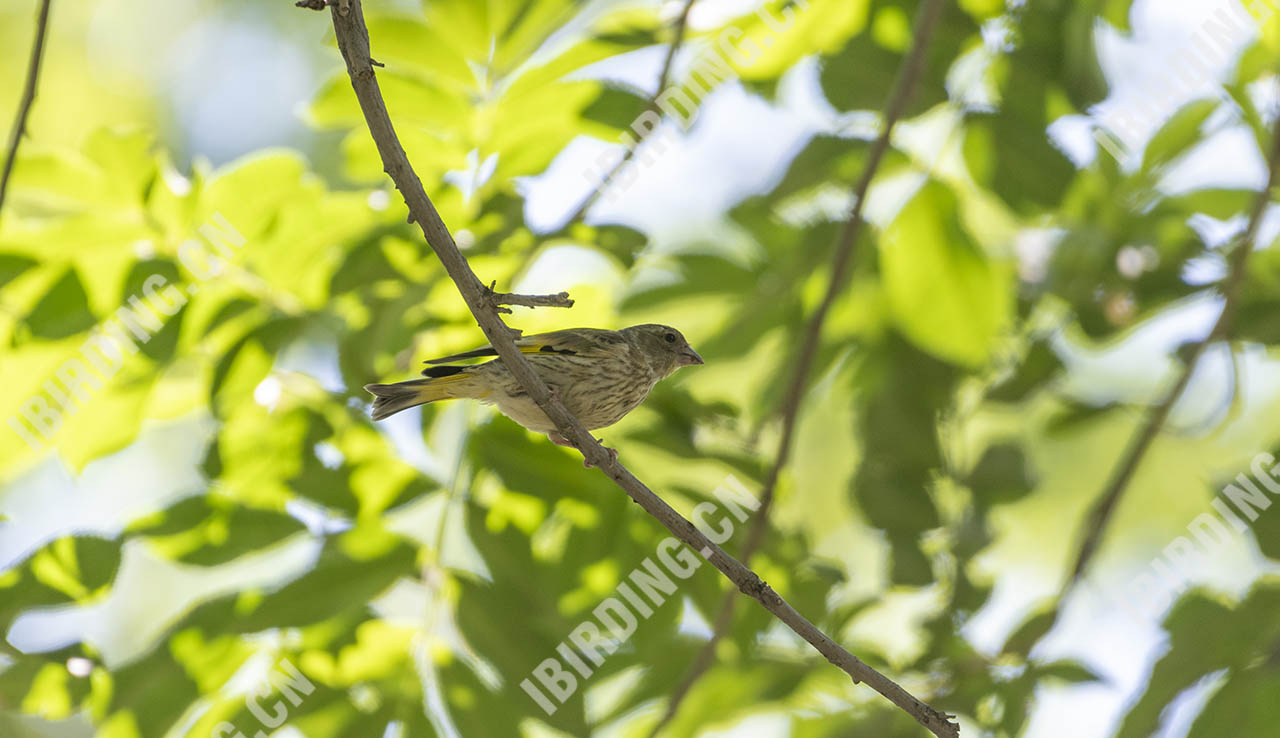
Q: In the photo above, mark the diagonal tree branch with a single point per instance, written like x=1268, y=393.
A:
x=899, y=98
x=28, y=97
x=1101, y=513
x=353, y=41
x=681, y=23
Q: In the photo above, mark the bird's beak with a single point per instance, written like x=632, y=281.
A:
x=689, y=356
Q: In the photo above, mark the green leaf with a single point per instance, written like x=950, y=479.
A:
x=404, y=41
x=1051, y=71
x=207, y=532
x=230, y=310
x=1036, y=370
x=764, y=51
x=702, y=273
x=318, y=482
x=1242, y=639
x=862, y=74
x=1116, y=12
x=64, y=309
x=1022, y=640
x=997, y=147
x=12, y=266
x=365, y=264
x=1177, y=136
x=1266, y=529
x=908, y=564
x=1001, y=476
x=1245, y=705
x=1068, y=671
x=944, y=293
x=616, y=108
x=153, y=692
x=1073, y=416
x=621, y=242
x=125, y=161
x=20, y=725
x=162, y=344
x=248, y=362
x=338, y=584
x=826, y=159
x=905, y=390
x=1220, y=203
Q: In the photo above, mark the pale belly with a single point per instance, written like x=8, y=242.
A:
x=602, y=398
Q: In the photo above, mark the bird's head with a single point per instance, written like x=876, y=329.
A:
x=664, y=346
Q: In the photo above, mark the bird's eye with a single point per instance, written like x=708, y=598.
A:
x=669, y=338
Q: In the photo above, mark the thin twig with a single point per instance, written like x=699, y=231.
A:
x=28, y=97
x=681, y=23
x=1219, y=417
x=1235, y=404
x=353, y=41
x=899, y=98
x=498, y=299
x=1102, y=512
x=580, y=212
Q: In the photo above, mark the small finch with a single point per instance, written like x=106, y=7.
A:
x=599, y=375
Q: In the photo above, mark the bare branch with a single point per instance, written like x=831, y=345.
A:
x=498, y=299
x=559, y=300
x=28, y=97
x=1102, y=512
x=682, y=22
x=353, y=42
x=899, y=98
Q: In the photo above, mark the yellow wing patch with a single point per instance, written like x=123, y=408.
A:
x=545, y=348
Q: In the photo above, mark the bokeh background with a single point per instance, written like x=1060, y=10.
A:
x=1019, y=300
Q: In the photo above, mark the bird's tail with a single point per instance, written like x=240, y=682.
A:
x=392, y=398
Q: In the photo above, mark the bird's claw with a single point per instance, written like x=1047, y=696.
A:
x=560, y=440
x=613, y=455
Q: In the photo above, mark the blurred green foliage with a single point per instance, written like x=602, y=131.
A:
x=416, y=587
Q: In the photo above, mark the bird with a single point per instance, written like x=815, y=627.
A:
x=600, y=376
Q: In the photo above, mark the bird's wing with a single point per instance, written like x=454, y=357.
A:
x=586, y=341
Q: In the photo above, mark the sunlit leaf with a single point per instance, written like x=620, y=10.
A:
x=64, y=309
x=945, y=293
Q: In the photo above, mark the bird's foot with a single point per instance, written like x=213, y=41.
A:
x=560, y=440
x=613, y=455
